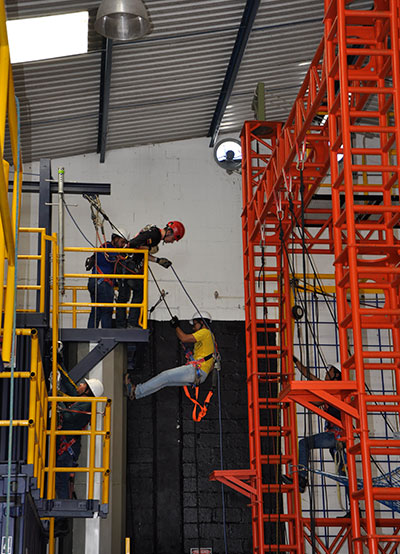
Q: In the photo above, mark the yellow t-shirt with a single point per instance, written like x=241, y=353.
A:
x=204, y=346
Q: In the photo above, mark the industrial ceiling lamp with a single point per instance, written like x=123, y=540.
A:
x=228, y=154
x=122, y=19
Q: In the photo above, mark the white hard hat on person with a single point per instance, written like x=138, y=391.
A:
x=200, y=317
x=120, y=232
x=95, y=386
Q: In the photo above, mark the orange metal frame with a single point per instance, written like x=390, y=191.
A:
x=354, y=78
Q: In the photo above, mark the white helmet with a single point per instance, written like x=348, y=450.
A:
x=200, y=317
x=337, y=367
x=95, y=386
x=120, y=232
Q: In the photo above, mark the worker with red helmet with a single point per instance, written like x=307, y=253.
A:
x=149, y=237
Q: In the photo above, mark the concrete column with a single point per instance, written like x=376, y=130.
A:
x=102, y=536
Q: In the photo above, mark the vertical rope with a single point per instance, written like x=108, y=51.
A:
x=304, y=250
x=10, y=432
x=221, y=463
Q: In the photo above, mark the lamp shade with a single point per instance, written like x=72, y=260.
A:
x=122, y=19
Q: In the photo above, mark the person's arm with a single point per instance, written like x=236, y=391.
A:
x=303, y=370
x=146, y=239
x=76, y=415
x=164, y=262
x=183, y=337
x=66, y=386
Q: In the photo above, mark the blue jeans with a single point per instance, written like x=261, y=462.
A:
x=62, y=479
x=175, y=377
x=326, y=439
x=320, y=440
x=100, y=291
x=126, y=288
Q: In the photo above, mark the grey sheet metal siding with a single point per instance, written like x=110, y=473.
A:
x=165, y=86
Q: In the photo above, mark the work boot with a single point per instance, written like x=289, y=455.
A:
x=289, y=481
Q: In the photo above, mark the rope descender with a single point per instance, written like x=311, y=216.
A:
x=278, y=202
x=288, y=181
x=301, y=155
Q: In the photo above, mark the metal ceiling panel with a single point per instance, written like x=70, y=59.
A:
x=165, y=86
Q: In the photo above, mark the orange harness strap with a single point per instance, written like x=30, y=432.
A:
x=202, y=409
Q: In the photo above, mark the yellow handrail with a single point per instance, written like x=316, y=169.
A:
x=74, y=304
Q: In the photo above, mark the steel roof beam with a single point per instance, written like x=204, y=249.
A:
x=105, y=85
x=249, y=15
x=69, y=187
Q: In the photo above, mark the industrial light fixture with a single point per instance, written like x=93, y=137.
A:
x=228, y=154
x=122, y=19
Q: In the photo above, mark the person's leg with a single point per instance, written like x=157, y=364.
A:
x=62, y=478
x=175, y=377
x=136, y=286
x=124, y=293
x=106, y=295
x=93, y=311
x=320, y=440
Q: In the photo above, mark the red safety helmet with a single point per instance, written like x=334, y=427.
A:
x=177, y=228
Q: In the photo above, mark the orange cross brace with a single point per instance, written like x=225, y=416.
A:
x=235, y=479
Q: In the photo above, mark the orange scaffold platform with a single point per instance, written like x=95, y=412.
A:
x=348, y=104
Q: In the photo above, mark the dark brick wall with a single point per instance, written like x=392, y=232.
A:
x=171, y=504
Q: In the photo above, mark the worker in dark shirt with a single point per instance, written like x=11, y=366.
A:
x=102, y=290
x=149, y=237
x=327, y=439
x=73, y=416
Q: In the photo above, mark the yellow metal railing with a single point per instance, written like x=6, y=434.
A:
x=37, y=413
x=8, y=215
x=41, y=258
x=42, y=432
x=42, y=429
x=92, y=433
x=75, y=305
x=74, y=308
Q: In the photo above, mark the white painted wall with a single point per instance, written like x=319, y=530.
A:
x=154, y=184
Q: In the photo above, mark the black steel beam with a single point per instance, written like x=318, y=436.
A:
x=95, y=335
x=249, y=15
x=82, y=368
x=45, y=211
x=67, y=507
x=105, y=85
x=32, y=320
x=69, y=188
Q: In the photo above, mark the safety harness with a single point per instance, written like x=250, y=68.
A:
x=197, y=417
x=66, y=444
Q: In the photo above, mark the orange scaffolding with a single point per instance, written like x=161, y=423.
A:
x=348, y=104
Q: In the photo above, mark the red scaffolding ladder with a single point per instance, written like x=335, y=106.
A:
x=354, y=79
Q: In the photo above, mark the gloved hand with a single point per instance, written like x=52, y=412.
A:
x=164, y=262
x=174, y=322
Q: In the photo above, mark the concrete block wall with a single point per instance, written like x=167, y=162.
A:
x=171, y=504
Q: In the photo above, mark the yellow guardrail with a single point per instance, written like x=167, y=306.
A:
x=42, y=431
x=74, y=308
x=37, y=413
x=8, y=214
x=75, y=305
x=92, y=433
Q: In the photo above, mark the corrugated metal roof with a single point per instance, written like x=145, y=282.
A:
x=166, y=86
